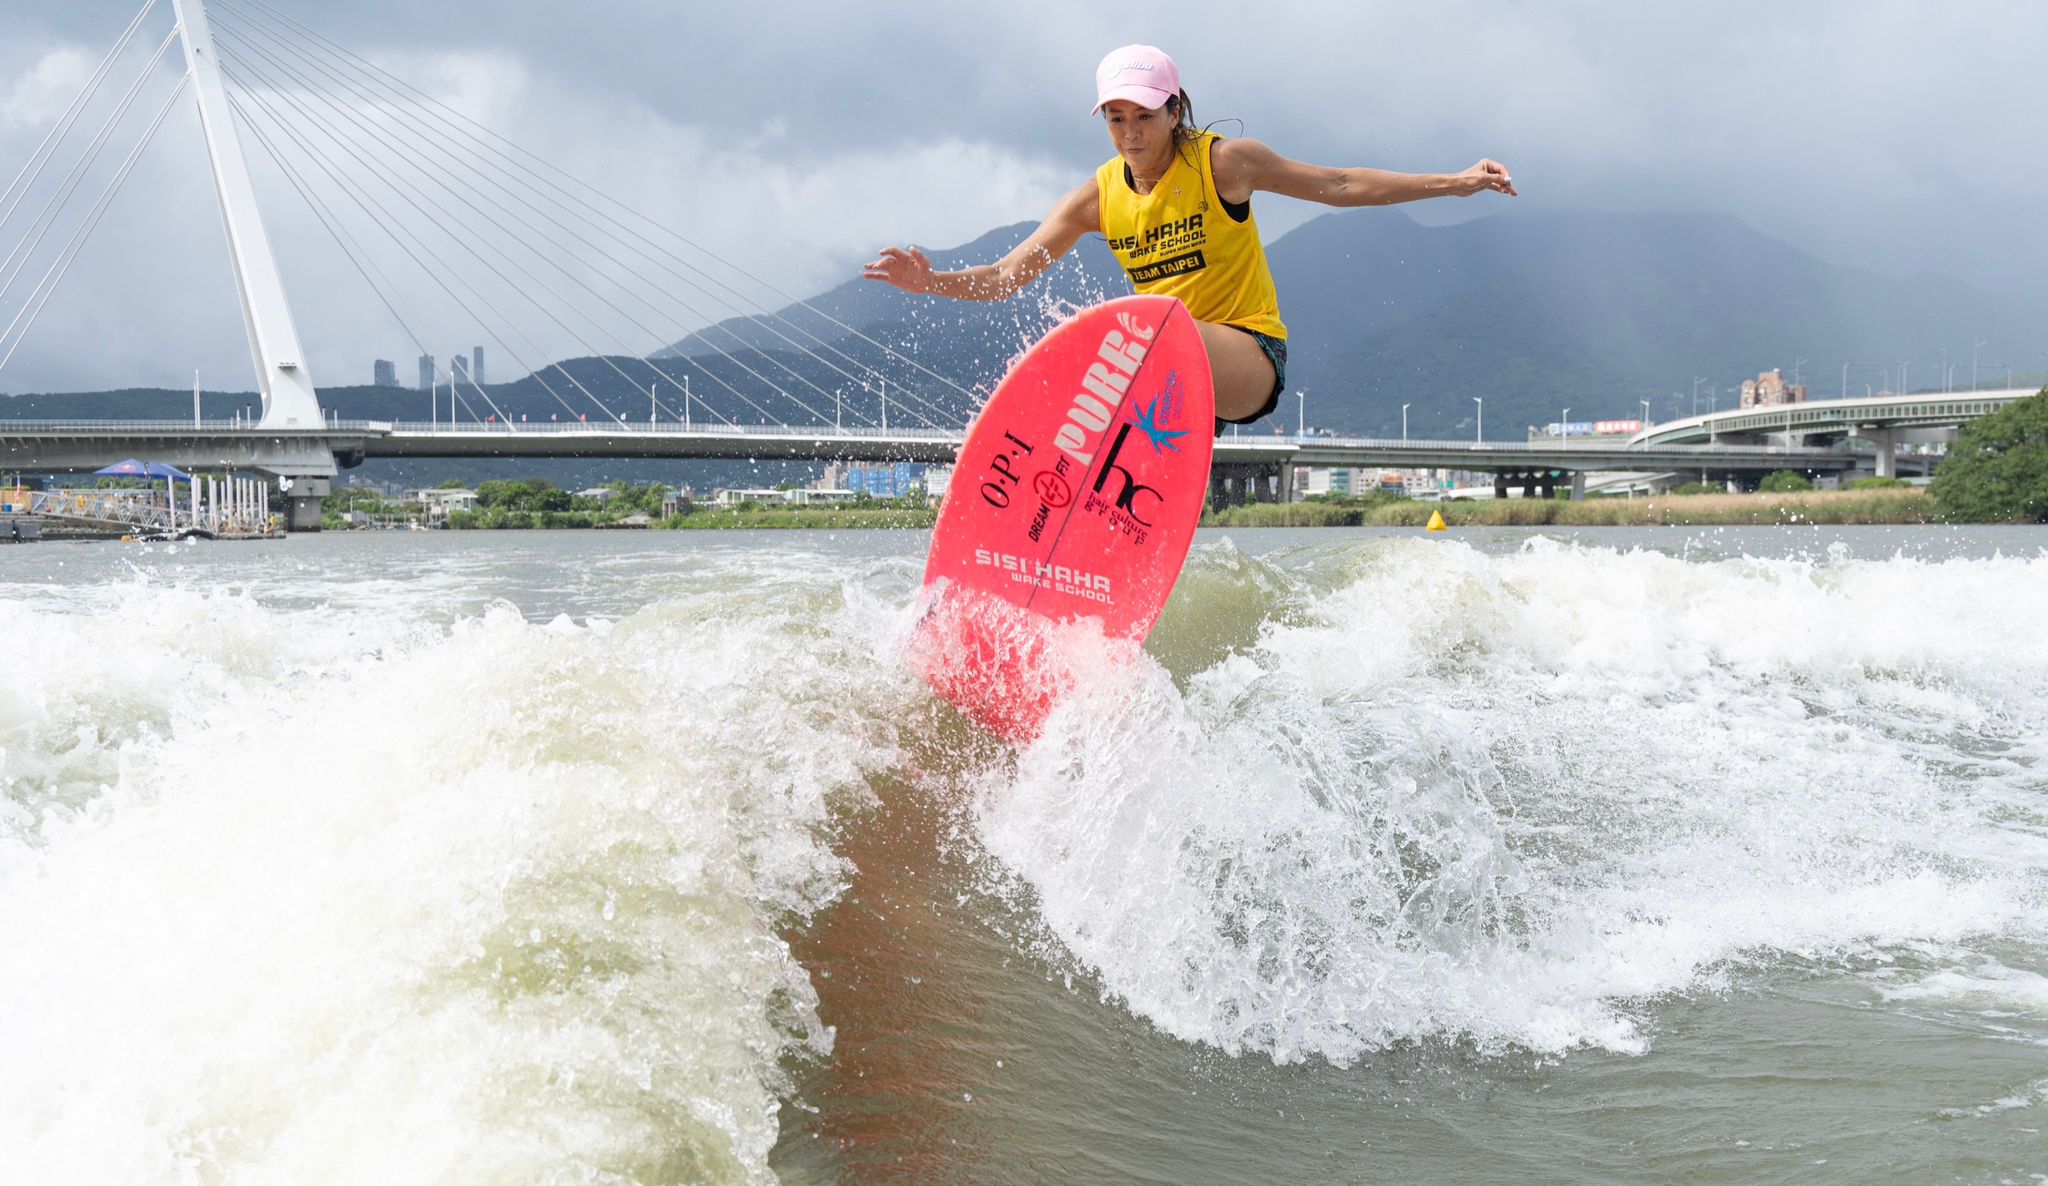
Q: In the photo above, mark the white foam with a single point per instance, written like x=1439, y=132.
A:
x=1979, y=983
x=321, y=896
x=1509, y=799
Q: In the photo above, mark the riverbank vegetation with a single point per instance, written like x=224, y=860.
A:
x=1900, y=504
x=535, y=503
x=1997, y=471
x=898, y=513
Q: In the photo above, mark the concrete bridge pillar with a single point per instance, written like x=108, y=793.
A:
x=1577, y=492
x=1886, y=440
x=1286, y=482
x=302, y=503
x=1500, y=485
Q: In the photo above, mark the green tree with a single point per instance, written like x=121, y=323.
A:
x=495, y=493
x=1784, y=481
x=1997, y=471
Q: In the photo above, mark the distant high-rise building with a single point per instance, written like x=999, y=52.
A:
x=426, y=372
x=476, y=369
x=385, y=372
x=459, y=365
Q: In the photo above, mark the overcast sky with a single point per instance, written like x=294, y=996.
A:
x=794, y=138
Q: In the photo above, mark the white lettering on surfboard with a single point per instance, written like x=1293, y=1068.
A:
x=1102, y=389
x=1075, y=582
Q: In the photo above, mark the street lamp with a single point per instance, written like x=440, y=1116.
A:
x=1696, y=394
x=1404, y=424
x=1479, y=424
x=1301, y=413
x=1564, y=427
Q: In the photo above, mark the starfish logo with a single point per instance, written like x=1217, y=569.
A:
x=1162, y=438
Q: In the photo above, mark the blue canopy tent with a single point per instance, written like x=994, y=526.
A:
x=132, y=468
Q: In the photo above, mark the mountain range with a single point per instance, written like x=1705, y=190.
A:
x=1533, y=312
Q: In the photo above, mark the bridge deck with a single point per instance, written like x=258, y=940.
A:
x=74, y=445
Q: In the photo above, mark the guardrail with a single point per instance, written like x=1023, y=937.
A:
x=492, y=427
x=208, y=427
x=1499, y=447
x=641, y=426
x=583, y=428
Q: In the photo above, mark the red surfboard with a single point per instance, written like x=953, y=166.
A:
x=1071, y=509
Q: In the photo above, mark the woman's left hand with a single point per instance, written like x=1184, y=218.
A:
x=1486, y=175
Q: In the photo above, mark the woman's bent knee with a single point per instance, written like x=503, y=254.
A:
x=1245, y=378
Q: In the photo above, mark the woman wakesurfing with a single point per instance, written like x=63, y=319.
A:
x=1175, y=206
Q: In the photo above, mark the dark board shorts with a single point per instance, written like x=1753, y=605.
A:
x=1276, y=353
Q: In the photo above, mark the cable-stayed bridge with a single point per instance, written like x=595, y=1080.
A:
x=458, y=233
x=1256, y=465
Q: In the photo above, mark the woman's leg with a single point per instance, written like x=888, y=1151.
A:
x=1242, y=372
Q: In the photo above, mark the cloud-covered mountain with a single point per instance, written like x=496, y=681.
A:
x=1532, y=312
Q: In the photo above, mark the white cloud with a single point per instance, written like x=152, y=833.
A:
x=39, y=95
x=793, y=216
x=795, y=136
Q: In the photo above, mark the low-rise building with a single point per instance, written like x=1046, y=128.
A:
x=439, y=502
x=1769, y=389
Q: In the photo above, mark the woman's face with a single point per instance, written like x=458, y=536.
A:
x=1143, y=135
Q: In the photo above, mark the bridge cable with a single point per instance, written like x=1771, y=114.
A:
x=348, y=147
x=402, y=85
x=420, y=131
x=351, y=148
x=71, y=249
x=543, y=285
x=306, y=190
x=468, y=144
x=386, y=221
x=383, y=220
x=78, y=171
x=340, y=232
x=55, y=138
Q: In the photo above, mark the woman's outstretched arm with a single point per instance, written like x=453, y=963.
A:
x=1245, y=166
x=1073, y=216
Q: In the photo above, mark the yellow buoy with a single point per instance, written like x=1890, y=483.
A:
x=1436, y=521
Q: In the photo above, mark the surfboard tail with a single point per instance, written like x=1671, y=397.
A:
x=992, y=660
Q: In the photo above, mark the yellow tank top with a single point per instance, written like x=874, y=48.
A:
x=1179, y=241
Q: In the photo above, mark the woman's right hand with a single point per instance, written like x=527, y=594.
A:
x=909, y=270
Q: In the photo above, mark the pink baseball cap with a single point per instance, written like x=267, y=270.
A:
x=1141, y=73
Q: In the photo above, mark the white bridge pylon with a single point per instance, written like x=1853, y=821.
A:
x=286, y=384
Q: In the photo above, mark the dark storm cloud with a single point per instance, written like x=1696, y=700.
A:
x=1897, y=137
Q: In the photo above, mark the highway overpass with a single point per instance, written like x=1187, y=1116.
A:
x=1885, y=421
